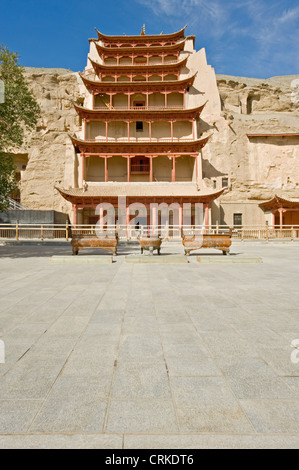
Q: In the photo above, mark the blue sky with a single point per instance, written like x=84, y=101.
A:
x=252, y=38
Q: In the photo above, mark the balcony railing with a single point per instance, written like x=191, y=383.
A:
x=38, y=232
x=140, y=108
x=139, y=139
x=140, y=169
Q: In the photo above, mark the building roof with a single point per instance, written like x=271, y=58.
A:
x=114, y=51
x=163, y=147
x=141, y=38
x=152, y=68
x=122, y=114
x=278, y=202
x=100, y=191
x=100, y=87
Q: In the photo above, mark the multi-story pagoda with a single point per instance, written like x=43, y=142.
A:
x=140, y=126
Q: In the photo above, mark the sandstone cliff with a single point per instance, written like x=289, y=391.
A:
x=51, y=158
x=257, y=167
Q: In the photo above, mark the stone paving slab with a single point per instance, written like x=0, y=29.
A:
x=160, y=259
x=135, y=355
x=100, y=259
x=227, y=259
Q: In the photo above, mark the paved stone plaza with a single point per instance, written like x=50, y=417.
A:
x=132, y=355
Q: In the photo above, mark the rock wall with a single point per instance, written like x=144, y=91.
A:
x=51, y=157
x=257, y=168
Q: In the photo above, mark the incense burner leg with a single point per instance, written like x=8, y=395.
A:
x=75, y=250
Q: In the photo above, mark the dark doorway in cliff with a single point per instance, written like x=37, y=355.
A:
x=250, y=102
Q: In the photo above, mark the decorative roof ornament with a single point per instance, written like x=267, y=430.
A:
x=143, y=30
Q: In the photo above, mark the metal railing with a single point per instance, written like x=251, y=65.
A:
x=15, y=205
x=41, y=232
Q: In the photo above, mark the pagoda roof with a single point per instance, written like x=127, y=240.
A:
x=99, y=68
x=96, y=193
x=278, y=202
x=114, y=51
x=141, y=38
x=162, y=147
x=124, y=114
x=100, y=87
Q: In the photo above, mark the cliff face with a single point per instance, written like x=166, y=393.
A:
x=51, y=158
x=257, y=167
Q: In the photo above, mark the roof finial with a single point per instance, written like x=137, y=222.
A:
x=143, y=30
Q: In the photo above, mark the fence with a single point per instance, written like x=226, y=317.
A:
x=131, y=232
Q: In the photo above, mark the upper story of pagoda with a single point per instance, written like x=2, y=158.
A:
x=141, y=40
x=143, y=50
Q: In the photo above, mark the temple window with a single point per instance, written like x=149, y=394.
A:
x=224, y=182
x=140, y=165
x=238, y=219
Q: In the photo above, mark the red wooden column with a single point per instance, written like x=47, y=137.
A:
x=181, y=214
x=280, y=218
x=273, y=218
x=150, y=130
x=154, y=218
x=83, y=167
x=151, y=168
x=106, y=169
x=128, y=128
x=128, y=169
x=75, y=216
x=111, y=98
x=206, y=207
x=171, y=130
x=173, y=170
x=106, y=123
x=193, y=128
x=84, y=128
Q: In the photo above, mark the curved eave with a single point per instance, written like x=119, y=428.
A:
x=114, y=51
x=278, y=203
x=99, y=68
x=102, y=192
x=137, y=87
x=126, y=148
x=140, y=38
x=119, y=115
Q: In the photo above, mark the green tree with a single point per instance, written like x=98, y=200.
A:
x=19, y=114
